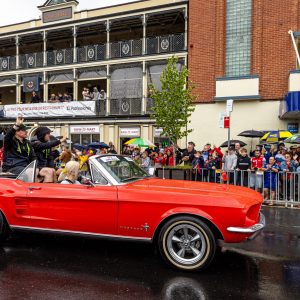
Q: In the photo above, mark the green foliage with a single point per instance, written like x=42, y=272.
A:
x=173, y=104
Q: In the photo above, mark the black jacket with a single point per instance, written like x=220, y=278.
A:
x=243, y=163
x=43, y=152
x=16, y=153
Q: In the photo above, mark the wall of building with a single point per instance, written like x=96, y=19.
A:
x=257, y=115
x=273, y=56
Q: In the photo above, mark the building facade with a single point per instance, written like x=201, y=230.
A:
x=242, y=50
x=119, y=49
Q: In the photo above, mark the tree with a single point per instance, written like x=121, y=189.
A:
x=173, y=103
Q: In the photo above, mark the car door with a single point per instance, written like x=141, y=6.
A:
x=72, y=207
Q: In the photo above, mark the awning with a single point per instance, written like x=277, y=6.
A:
x=290, y=106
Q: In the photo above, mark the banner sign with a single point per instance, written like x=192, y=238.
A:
x=84, y=129
x=31, y=84
x=130, y=132
x=57, y=15
x=45, y=110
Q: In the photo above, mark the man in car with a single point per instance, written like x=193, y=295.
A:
x=18, y=152
x=42, y=146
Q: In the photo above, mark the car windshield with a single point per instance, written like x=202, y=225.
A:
x=122, y=169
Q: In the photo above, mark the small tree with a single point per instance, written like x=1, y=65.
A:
x=173, y=104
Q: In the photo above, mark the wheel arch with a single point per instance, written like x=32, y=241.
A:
x=4, y=217
x=215, y=230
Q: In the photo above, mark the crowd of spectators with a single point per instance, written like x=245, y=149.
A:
x=87, y=95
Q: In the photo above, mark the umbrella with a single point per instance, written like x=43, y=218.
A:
x=276, y=136
x=232, y=143
x=79, y=147
x=252, y=134
x=98, y=145
x=140, y=142
x=295, y=139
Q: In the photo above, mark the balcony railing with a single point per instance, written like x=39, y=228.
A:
x=91, y=53
x=60, y=57
x=32, y=60
x=126, y=48
x=121, y=107
x=7, y=63
x=123, y=49
x=149, y=106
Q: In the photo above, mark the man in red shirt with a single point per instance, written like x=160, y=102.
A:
x=257, y=175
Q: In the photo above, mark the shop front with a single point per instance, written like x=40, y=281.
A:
x=85, y=134
x=127, y=134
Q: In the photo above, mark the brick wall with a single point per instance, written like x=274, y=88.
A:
x=272, y=56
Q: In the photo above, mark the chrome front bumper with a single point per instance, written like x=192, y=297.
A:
x=254, y=230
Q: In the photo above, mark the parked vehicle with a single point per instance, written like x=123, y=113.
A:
x=120, y=200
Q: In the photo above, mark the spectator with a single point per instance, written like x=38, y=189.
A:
x=96, y=94
x=237, y=148
x=198, y=165
x=67, y=97
x=168, y=159
x=270, y=179
x=60, y=97
x=86, y=94
x=35, y=98
x=188, y=154
x=18, y=152
x=52, y=98
x=229, y=163
x=214, y=164
x=158, y=159
x=256, y=178
x=146, y=162
x=111, y=149
x=206, y=151
x=243, y=167
x=102, y=95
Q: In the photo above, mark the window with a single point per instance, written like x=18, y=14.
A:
x=238, y=37
x=85, y=139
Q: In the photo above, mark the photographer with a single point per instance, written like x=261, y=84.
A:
x=18, y=152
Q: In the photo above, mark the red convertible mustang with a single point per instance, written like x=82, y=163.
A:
x=119, y=200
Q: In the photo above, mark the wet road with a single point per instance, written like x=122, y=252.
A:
x=38, y=266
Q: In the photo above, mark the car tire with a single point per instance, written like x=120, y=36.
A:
x=187, y=243
x=4, y=229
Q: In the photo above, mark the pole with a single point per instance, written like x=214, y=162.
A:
x=229, y=131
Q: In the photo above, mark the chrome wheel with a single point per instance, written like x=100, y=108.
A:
x=186, y=244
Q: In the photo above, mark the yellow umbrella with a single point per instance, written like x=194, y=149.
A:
x=276, y=136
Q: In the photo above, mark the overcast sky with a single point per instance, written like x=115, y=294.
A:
x=15, y=11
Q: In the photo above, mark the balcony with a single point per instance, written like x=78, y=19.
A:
x=7, y=63
x=121, y=49
x=125, y=107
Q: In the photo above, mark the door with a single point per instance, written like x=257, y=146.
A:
x=73, y=207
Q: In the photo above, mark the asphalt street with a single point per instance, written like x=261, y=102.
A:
x=41, y=266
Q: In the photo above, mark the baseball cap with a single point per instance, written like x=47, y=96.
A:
x=22, y=127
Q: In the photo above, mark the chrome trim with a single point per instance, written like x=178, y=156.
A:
x=80, y=233
x=253, y=229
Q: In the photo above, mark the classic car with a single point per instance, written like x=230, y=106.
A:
x=118, y=199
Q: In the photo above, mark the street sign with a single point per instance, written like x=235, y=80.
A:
x=227, y=122
x=222, y=115
x=229, y=105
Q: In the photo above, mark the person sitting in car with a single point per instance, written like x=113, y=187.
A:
x=42, y=146
x=18, y=152
x=72, y=173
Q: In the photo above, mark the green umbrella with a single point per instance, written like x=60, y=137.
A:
x=140, y=142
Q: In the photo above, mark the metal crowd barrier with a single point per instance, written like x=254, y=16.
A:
x=280, y=188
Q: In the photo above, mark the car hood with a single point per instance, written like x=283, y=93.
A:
x=208, y=193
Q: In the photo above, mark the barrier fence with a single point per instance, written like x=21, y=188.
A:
x=278, y=188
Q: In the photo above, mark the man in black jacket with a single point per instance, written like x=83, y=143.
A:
x=42, y=146
x=243, y=167
x=18, y=152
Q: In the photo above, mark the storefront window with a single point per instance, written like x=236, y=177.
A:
x=85, y=139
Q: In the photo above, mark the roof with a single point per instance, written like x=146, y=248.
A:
x=56, y=2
